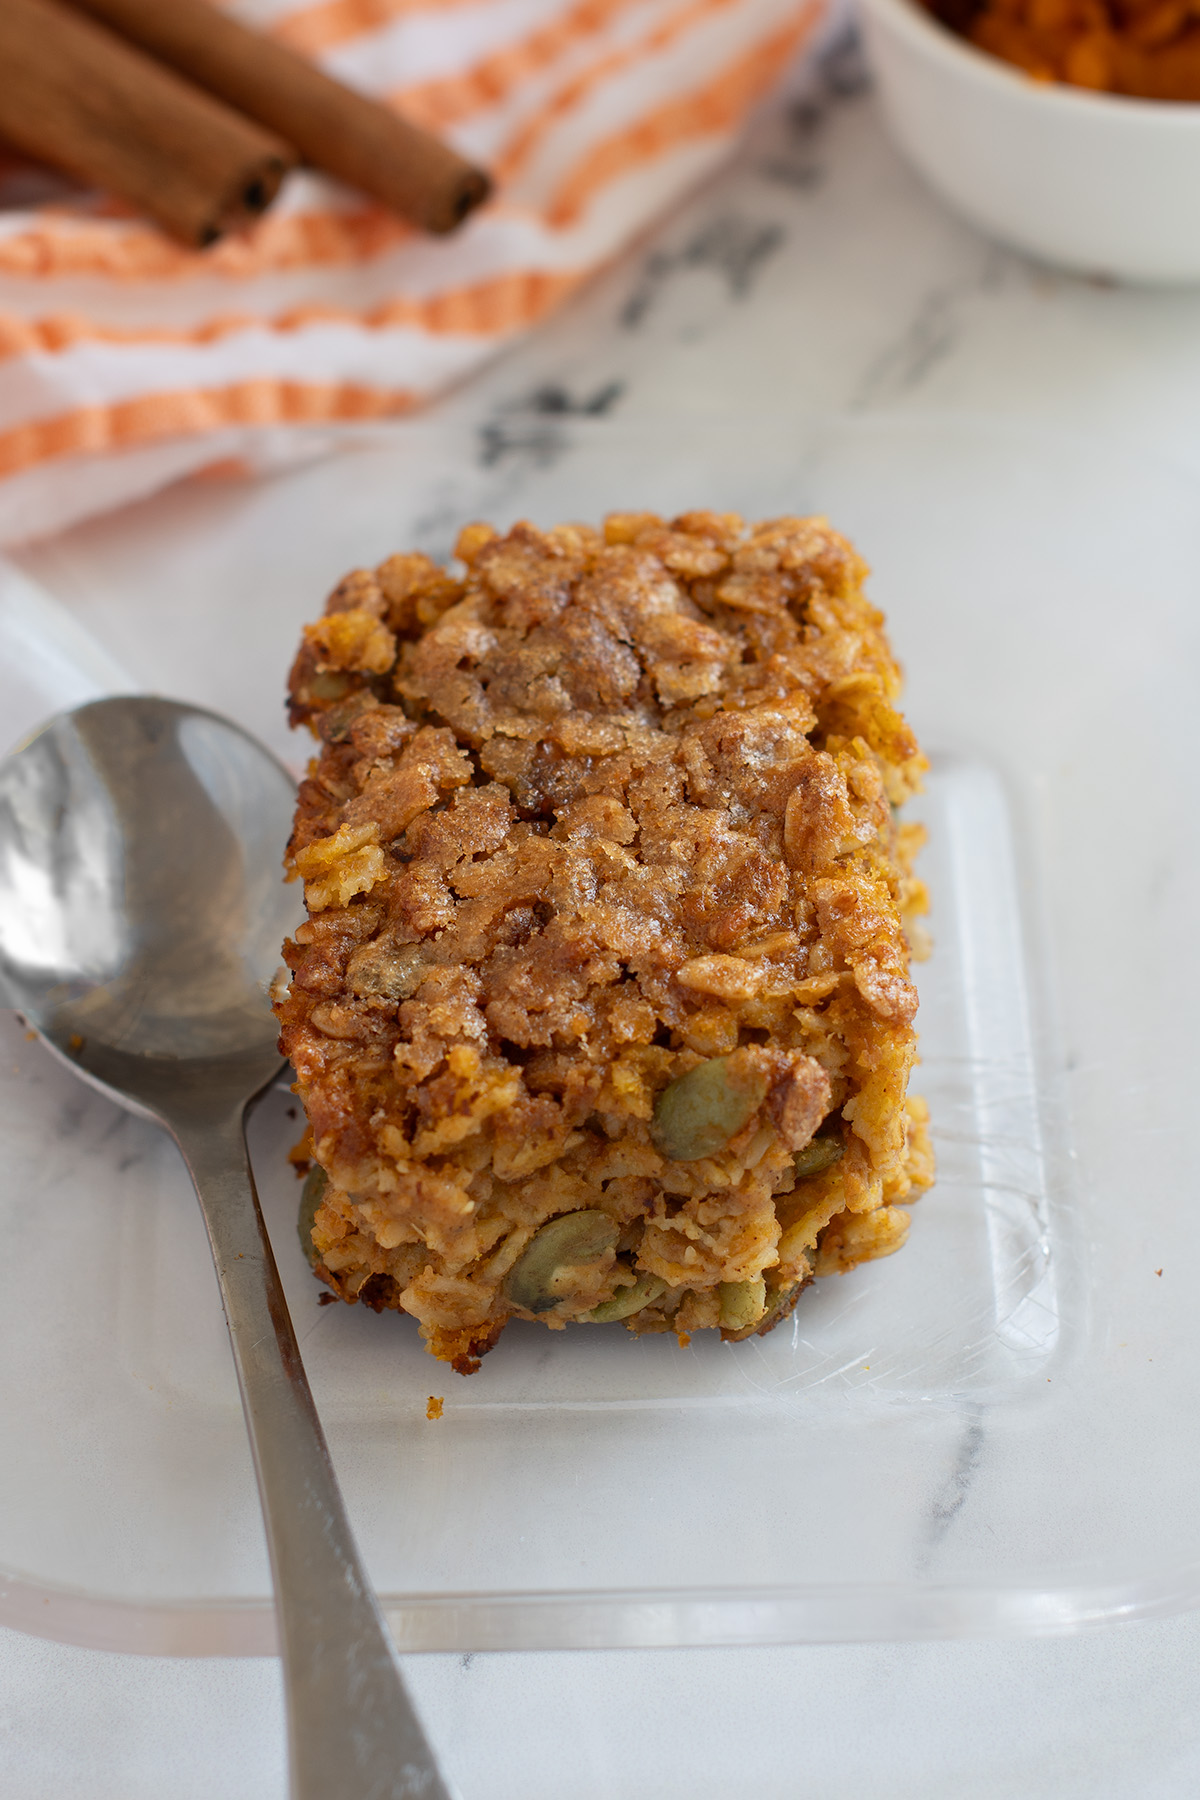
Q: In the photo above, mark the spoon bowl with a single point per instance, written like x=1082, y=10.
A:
x=141, y=904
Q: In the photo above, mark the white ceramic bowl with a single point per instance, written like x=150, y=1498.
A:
x=1093, y=182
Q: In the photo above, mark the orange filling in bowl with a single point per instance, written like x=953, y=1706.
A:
x=1149, y=49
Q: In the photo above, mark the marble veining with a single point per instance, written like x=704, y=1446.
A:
x=948, y=1500
x=933, y=331
x=727, y=246
x=797, y=156
x=529, y=426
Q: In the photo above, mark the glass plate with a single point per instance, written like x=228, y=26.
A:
x=996, y=1430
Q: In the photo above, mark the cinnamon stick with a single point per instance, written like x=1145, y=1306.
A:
x=334, y=128
x=79, y=97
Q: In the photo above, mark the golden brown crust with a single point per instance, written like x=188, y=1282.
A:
x=604, y=807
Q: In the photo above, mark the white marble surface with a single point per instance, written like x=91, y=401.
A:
x=815, y=276
x=1111, y=1716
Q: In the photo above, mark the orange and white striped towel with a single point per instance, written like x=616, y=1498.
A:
x=126, y=362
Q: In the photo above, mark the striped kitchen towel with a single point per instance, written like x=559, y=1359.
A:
x=126, y=362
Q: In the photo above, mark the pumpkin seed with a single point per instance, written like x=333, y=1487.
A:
x=627, y=1300
x=743, y=1304
x=561, y=1245
x=780, y=1301
x=329, y=684
x=311, y=1196
x=699, y=1112
x=819, y=1154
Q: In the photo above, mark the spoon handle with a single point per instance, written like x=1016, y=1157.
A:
x=353, y=1733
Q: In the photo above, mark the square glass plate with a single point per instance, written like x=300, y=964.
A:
x=995, y=1431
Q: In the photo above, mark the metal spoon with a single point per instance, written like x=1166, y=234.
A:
x=141, y=914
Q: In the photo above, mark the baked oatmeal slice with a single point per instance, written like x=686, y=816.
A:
x=602, y=1009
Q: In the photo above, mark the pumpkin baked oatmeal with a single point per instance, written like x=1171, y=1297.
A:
x=602, y=1010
